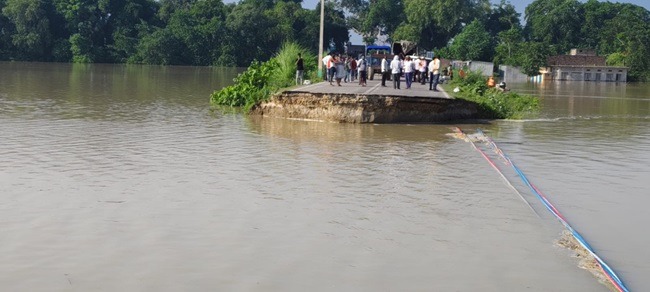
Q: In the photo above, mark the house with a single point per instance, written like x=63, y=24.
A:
x=509, y=73
x=484, y=68
x=582, y=65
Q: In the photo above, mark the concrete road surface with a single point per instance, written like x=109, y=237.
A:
x=373, y=87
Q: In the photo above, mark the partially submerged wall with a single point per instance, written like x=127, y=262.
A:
x=356, y=108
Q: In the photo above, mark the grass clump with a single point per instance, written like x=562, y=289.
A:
x=494, y=103
x=262, y=79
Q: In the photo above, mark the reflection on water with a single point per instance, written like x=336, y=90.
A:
x=121, y=178
x=326, y=132
x=590, y=99
x=103, y=91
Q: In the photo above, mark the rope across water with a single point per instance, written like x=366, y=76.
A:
x=609, y=272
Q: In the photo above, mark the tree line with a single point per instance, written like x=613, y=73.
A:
x=210, y=32
x=170, y=32
x=477, y=30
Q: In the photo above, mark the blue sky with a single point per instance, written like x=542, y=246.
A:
x=520, y=6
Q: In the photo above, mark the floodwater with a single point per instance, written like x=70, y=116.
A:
x=121, y=178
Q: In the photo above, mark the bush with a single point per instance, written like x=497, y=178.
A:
x=286, y=70
x=494, y=103
x=262, y=79
x=250, y=86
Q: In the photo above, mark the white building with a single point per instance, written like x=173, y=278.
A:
x=583, y=65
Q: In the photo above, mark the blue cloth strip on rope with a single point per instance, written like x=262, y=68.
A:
x=616, y=281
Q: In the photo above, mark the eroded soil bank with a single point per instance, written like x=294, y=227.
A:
x=360, y=108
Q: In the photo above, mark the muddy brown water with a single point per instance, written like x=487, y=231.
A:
x=121, y=178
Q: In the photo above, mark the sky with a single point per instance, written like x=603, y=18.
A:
x=520, y=6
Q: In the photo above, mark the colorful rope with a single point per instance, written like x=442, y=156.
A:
x=609, y=273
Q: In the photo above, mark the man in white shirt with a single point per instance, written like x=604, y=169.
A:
x=409, y=68
x=362, y=66
x=434, y=72
x=384, y=71
x=396, y=70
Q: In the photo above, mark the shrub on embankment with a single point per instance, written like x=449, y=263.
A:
x=262, y=79
x=494, y=103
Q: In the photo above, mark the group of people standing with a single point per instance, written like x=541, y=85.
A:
x=345, y=68
x=412, y=69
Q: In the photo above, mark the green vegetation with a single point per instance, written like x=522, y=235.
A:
x=168, y=32
x=262, y=79
x=472, y=43
x=250, y=86
x=494, y=103
x=211, y=32
x=475, y=29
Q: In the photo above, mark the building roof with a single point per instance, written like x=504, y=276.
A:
x=577, y=60
x=592, y=67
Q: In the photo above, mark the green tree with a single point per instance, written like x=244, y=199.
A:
x=105, y=30
x=595, y=15
x=532, y=56
x=32, y=36
x=307, y=26
x=502, y=17
x=159, y=47
x=250, y=34
x=200, y=28
x=432, y=23
x=473, y=43
x=373, y=18
x=554, y=22
x=295, y=24
x=127, y=20
x=192, y=35
x=86, y=21
x=628, y=33
x=508, y=49
x=6, y=30
x=617, y=59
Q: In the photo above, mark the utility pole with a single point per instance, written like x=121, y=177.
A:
x=320, y=42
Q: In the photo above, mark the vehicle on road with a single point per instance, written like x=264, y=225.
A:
x=375, y=53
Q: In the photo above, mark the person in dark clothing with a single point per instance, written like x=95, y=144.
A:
x=353, y=69
x=300, y=70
